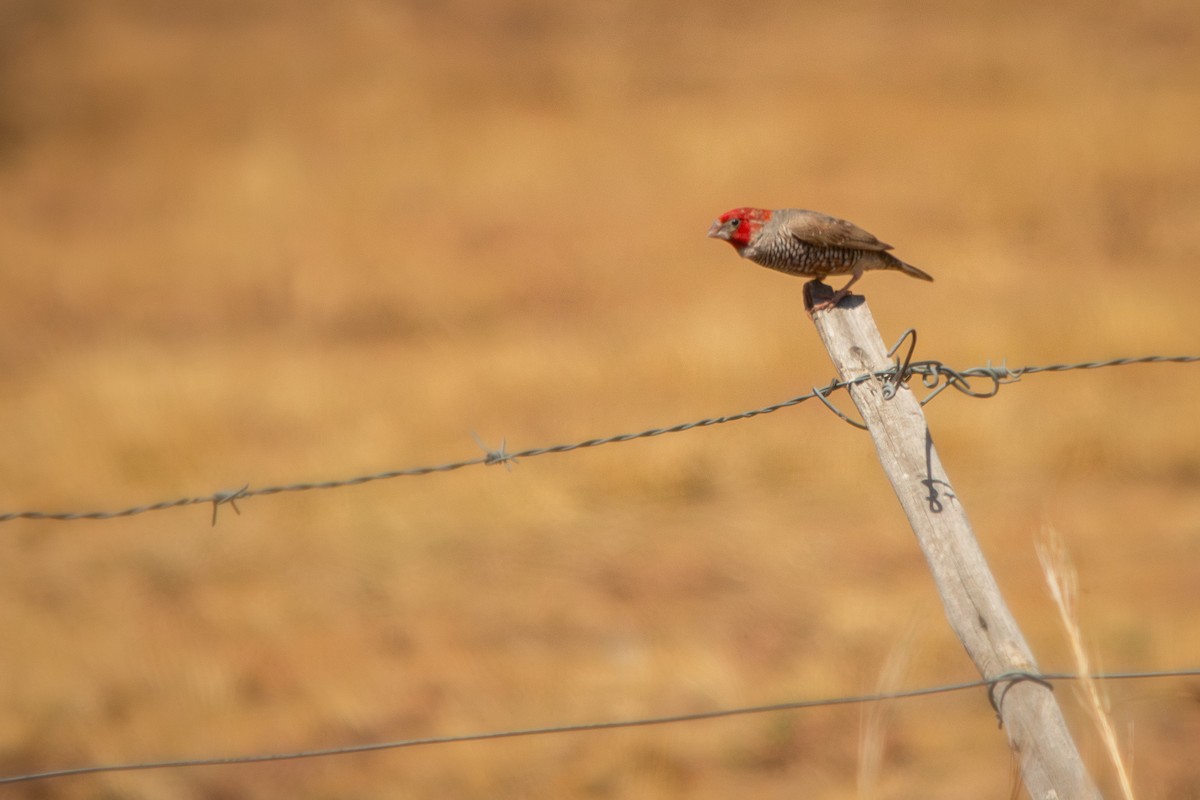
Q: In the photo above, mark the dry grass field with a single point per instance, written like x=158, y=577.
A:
x=270, y=241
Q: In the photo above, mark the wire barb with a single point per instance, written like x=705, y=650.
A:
x=221, y=498
x=498, y=456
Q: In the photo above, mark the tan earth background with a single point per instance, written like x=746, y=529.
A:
x=267, y=242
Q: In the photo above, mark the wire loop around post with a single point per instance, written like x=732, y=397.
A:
x=902, y=371
x=819, y=394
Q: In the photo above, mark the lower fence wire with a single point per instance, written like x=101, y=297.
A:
x=991, y=685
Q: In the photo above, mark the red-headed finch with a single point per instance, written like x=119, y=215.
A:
x=807, y=243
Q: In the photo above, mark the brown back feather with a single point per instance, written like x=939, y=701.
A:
x=822, y=230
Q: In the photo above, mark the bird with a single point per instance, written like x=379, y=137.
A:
x=808, y=243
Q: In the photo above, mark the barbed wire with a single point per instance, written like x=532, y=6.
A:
x=935, y=376
x=1044, y=679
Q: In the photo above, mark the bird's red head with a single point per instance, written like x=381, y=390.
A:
x=739, y=226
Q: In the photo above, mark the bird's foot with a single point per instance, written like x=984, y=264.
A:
x=819, y=296
x=832, y=302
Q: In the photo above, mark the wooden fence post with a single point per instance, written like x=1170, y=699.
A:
x=1050, y=764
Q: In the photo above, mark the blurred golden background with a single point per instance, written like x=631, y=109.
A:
x=269, y=241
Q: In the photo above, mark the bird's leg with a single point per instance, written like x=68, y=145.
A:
x=840, y=293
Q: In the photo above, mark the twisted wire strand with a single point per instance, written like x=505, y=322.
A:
x=500, y=456
x=990, y=683
x=935, y=376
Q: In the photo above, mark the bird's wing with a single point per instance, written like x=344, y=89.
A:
x=823, y=230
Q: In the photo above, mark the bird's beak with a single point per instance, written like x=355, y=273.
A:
x=717, y=231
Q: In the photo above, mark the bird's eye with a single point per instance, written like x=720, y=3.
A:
x=733, y=223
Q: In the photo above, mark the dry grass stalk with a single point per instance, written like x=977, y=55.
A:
x=1064, y=589
x=874, y=717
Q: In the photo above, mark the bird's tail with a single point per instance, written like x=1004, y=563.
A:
x=891, y=262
